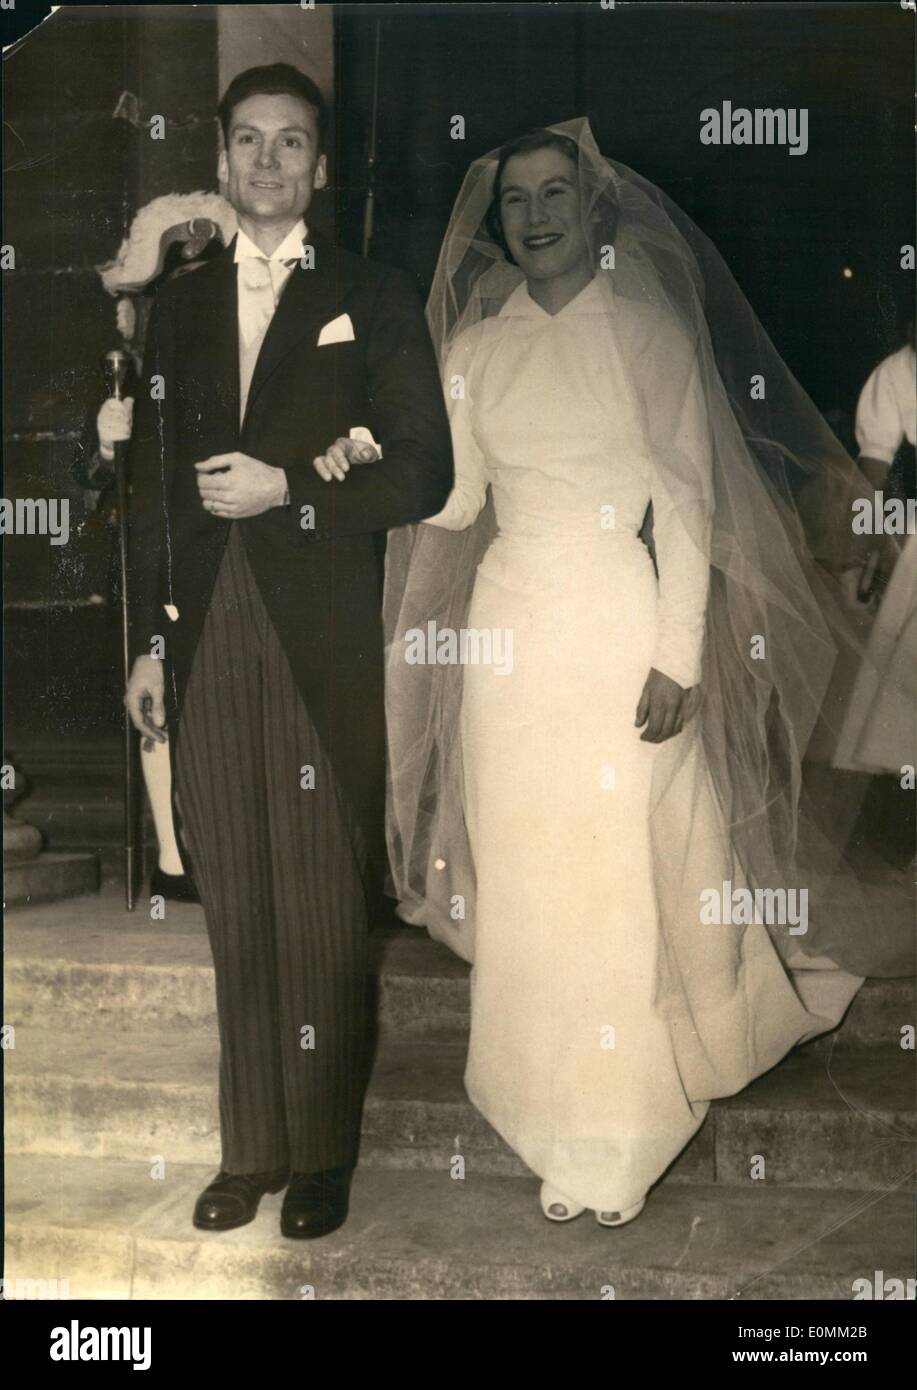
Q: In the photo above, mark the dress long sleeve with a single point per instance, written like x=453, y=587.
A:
x=681, y=491
x=879, y=423
x=470, y=487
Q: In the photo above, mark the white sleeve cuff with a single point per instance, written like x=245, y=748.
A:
x=685, y=672
x=878, y=451
x=364, y=436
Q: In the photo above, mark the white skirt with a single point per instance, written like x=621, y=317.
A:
x=568, y=1059
x=879, y=731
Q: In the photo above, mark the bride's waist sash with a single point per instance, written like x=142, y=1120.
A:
x=594, y=539
x=552, y=563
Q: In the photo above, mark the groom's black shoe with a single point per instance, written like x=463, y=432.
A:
x=316, y=1203
x=232, y=1198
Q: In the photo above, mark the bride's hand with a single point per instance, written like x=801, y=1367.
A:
x=664, y=707
x=336, y=461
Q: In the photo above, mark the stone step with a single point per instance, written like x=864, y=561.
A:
x=74, y=794
x=94, y=961
x=843, y=1121
x=49, y=875
x=115, y=1232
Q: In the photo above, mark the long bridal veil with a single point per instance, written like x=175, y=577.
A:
x=767, y=501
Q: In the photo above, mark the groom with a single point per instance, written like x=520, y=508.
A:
x=257, y=633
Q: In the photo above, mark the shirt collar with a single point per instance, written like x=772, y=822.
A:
x=290, y=248
x=589, y=300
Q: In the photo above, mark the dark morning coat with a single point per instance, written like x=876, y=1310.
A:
x=321, y=585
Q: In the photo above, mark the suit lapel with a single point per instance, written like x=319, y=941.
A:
x=215, y=326
x=308, y=301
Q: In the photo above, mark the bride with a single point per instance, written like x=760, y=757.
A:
x=581, y=822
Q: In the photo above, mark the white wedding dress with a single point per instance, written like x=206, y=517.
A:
x=568, y=1059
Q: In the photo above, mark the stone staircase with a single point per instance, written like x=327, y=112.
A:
x=112, y=1130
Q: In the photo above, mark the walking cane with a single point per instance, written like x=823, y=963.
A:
x=117, y=365
x=369, y=209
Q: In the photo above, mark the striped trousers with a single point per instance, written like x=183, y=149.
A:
x=273, y=852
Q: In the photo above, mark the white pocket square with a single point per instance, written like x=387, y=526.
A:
x=339, y=330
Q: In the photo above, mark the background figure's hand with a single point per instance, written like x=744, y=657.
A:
x=890, y=548
x=336, y=461
x=113, y=423
x=236, y=485
x=145, y=698
x=850, y=581
x=871, y=576
x=664, y=707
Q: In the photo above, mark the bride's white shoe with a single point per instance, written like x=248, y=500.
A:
x=620, y=1218
x=557, y=1206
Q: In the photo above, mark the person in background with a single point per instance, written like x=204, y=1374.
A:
x=170, y=236
x=168, y=878
x=879, y=731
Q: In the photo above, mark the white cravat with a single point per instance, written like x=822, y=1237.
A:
x=261, y=281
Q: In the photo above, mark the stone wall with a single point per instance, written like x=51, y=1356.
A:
x=79, y=161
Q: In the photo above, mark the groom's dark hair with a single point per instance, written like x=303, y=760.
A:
x=523, y=144
x=275, y=79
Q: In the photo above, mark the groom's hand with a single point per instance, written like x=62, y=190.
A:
x=236, y=485
x=664, y=707
x=336, y=461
